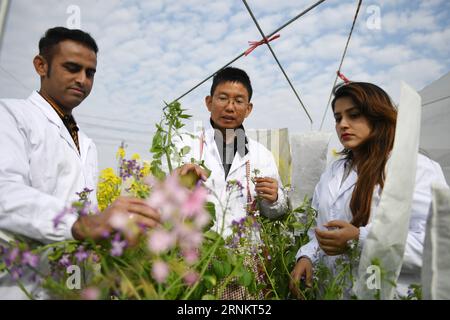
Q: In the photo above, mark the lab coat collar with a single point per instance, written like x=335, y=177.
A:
x=335, y=187
x=54, y=118
x=46, y=109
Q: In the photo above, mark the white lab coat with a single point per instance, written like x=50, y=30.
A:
x=258, y=156
x=332, y=201
x=40, y=172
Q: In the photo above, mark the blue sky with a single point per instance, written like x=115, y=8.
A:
x=153, y=51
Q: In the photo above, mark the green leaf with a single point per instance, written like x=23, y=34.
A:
x=226, y=268
x=218, y=269
x=185, y=150
x=70, y=248
x=245, y=279
x=157, y=172
x=210, y=281
x=211, y=209
x=214, y=236
x=297, y=225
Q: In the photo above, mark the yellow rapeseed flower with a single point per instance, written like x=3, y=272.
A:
x=120, y=153
x=146, y=168
x=108, y=188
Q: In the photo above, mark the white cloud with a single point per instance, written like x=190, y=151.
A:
x=151, y=51
x=437, y=41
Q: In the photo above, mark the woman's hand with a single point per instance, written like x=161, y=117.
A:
x=303, y=269
x=334, y=242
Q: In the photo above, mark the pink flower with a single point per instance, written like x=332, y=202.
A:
x=168, y=194
x=190, y=255
x=177, y=193
x=189, y=237
x=194, y=203
x=157, y=198
x=90, y=293
x=202, y=219
x=160, y=271
x=191, y=278
x=161, y=241
x=119, y=221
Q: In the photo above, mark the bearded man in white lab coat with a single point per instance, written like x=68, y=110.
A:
x=46, y=159
x=231, y=155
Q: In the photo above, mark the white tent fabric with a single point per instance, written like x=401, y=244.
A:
x=309, y=159
x=277, y=141
x=301, y=158
x=387, y=237
x=435, y=133
x=436, y=254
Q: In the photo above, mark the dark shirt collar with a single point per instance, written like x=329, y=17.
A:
x=239, y=136
x=67, y=119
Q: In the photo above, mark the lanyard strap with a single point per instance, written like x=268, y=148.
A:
x=249, y=194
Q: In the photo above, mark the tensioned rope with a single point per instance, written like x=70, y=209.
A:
x=276, y=59
x=338, y=73
x=264, y=40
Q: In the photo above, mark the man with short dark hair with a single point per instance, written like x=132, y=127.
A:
x=231, y=155
x=46, y=159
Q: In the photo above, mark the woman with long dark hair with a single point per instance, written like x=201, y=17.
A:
x=348, y=193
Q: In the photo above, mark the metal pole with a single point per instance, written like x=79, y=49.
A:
x=243, y=53
x=4, y=6
x=276, y=59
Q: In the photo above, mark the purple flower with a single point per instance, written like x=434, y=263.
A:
x=129, y=168
x=84, y=196
x=81, y=255
x=16, y=272
x=117, y=246
x=65, y=261
x=57, y=220
x=12, y=256
x=85, y=210
x=95, y=258
x=30, y=259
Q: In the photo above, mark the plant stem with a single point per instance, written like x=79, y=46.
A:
x=166, y=151
x=21, y=286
